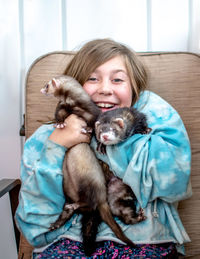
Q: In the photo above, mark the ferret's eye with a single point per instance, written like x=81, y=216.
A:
x=47, y=86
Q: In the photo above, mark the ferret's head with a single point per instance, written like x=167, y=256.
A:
x=50, y=87
x=110, y=133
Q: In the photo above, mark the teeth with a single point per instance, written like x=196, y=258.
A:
x=105, y=105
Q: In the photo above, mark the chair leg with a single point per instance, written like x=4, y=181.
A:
x=12, y=186
x=14, y=193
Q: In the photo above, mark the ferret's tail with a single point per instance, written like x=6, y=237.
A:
x=90, y=224
x=107, y=217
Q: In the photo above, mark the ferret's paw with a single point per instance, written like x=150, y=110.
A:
x=54, y=226
x=101, y=148
x=141, y=215
x=147, y=131
x=89, y=130
x=60, y=125
x=86, y=130
x=71, y=207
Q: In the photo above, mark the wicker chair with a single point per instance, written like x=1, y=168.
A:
x=173, y=76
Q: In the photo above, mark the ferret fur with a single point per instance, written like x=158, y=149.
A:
x=72, y=100
x=83, y=179
x=113, y=127
x=116, y=125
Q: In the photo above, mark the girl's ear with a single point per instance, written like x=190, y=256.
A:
x=55, y=83
x=120, y=122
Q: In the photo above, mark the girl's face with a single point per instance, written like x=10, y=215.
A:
x=109, y=85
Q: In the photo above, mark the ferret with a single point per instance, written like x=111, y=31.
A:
x=117, y=125
x=86, y=192
x=84, y=182
x=121, y=199
x=113, y=127
x=72, y=99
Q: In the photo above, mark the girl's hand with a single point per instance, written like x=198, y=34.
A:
x=71, y=134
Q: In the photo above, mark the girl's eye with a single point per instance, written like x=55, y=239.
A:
x=117, y=80
x=92, y=79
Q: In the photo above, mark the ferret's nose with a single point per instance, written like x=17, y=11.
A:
x=105, y=137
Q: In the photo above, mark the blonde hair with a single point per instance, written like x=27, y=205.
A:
x=97, y=52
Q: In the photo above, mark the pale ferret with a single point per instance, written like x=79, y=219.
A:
x=84, y=182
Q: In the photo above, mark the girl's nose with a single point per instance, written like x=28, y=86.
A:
x=105, y=88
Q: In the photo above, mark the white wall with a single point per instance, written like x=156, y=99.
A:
x=30, y=28
x=10, y=89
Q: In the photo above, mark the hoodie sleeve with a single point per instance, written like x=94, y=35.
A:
x=155, y=165
x=41, y=196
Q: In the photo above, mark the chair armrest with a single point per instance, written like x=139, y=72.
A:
x=12, y=186
x=7, y=185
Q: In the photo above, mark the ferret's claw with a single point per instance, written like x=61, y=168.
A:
x=54, y=226
x=147, y=131
x=62, y=125
x=89, y=130
x=141, y=215
x=59, y=125
x=101, y=148
x=86, y=130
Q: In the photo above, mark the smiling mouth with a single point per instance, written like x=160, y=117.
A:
x=105, y=105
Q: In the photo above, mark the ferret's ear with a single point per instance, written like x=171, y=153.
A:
x=120, y=122
x=55, y=83
x=97, y=124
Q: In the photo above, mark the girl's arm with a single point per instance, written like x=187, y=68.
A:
x=41, y=196
x=160, y=165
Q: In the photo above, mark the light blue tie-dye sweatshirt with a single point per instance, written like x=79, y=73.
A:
x=155, y=165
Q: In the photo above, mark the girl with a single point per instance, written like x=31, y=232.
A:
x=156, y=166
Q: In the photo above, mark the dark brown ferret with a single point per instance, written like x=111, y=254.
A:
x=113, y=127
